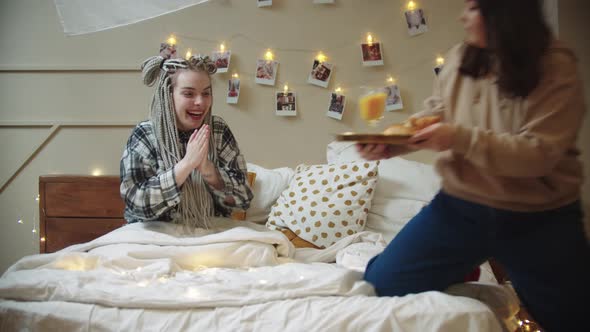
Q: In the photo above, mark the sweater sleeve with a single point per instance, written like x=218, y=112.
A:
x=554, y=113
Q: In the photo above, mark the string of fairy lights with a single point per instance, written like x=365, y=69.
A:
x=320, y=56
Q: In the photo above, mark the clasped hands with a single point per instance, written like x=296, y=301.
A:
x=197, y=149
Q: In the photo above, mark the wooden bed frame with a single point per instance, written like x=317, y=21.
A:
x=79, y=208
x=76, y=209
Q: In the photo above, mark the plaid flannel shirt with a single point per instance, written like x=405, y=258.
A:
x=149, y=189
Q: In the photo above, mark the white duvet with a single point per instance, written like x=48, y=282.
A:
x=238, y=277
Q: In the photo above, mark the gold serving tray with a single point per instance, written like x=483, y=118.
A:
x=373, y=138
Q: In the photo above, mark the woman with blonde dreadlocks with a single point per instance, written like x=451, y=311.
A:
x=182, y=165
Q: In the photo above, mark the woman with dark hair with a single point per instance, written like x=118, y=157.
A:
x=512, y=104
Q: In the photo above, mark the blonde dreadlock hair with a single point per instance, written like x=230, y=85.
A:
x=196, y=204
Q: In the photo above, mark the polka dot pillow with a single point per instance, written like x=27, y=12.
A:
x=325, y=203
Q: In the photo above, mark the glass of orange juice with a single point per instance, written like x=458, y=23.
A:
x=372, y=106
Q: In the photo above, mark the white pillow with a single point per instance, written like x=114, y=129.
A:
x=338, y=152
x=389, y=216
x=268, y=186
x=398, y=177
x=326, y=203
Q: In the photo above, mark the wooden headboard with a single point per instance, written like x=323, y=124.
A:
x=79, y=208
x=75, y=209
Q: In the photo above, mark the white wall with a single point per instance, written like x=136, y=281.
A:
x=46, y=77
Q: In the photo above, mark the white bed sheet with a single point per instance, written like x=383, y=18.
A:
x=152, y=277
x=431, y=311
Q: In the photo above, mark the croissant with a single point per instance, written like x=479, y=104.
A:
x=411, y=126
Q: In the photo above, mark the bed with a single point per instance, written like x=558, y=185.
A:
x=98, y=273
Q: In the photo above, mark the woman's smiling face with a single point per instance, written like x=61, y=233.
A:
x=192, y=99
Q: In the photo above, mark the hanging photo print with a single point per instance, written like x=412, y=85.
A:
x=266, y=71
x=320, y=73
x=286, y=103
x=221, y=60
x=323, y=1
x=440, y=62
x=233, y=91
x=264, y=3
x=372, y=54
x=167, y=50
x=394, y=99
x=416, y=22
x=437, y=69
x=337, y=104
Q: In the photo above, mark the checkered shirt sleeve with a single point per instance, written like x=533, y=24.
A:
x=149, y=191
x=232, y=168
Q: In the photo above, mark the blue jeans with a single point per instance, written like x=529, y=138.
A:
x=545, y=255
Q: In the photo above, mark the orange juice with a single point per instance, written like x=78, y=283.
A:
x=372, y=106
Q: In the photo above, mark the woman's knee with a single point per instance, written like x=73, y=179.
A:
x=386, y=282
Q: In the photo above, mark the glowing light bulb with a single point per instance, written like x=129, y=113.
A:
x=20, y=221
x=188, y=54
x=411, y=5
x=440, y=61
x=97, y=172
x=390, y=79
x=34, y=230
x=222, y=47
x=37, y=198
x=269, y=56
x=369, y=39
x=235, y=75
x=321, y=57
x=286, y=88
x=338, y=90
x=42, y=239
x=171, y=40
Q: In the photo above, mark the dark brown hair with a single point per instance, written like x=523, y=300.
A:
x=517, y=38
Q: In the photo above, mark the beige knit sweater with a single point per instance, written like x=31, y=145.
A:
x=514, y=154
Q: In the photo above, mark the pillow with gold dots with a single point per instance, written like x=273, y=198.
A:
x=326, y=203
